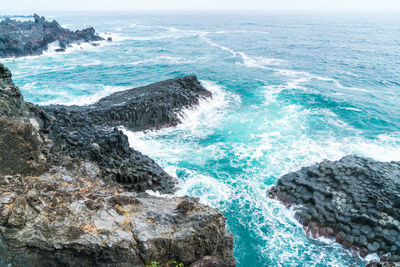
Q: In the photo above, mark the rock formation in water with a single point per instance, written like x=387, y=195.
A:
x=356, y=200
x=24, y=38
x=149, y=107
x=81, y=132
x=64, y=198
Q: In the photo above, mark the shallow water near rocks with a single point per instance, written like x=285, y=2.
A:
x=290, y=89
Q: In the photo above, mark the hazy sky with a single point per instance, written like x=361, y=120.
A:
x=127, y=5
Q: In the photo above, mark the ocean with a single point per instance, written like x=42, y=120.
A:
x=289, y=89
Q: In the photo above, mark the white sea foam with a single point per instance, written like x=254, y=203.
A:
x=197, y=121
x=64, y=98
x=241, y=31
x=170, y=60
x=302, y=77
x=204, y=37
x=51, y=51
x=210, y=190
x=167, y=33
x=247, y=61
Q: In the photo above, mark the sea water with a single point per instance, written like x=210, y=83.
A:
x=289, y=90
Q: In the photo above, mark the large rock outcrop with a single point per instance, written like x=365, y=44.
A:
x=149, y=107
x=71, y=194
x=24, y=38
x=67, y=217
x=81, y=131
x=355, y=200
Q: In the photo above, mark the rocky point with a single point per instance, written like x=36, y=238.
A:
x=72, y=189
x=25, y=38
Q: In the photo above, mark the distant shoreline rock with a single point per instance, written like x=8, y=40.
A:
x=355, y=200
x=26, y=38
x=71, y=187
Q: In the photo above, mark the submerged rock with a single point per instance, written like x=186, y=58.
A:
x=63, y=191
x=356, y=200
x=23, y=38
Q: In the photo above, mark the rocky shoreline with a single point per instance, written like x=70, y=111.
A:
x=71, y=189
x=355, y=200
x=27, y=38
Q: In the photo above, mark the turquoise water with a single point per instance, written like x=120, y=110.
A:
x=290, y=89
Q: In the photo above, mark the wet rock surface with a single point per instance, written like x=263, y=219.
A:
x=64, y=198
x=24, y=38
x=355, y=200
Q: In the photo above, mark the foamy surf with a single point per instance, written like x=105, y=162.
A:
x=63, y=97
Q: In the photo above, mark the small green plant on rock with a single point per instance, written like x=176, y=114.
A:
x=153, y=264
x=178, y=264
x=168, y=264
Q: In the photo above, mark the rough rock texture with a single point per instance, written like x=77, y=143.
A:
x=67, y=217
x=23, y=148
x=356, y=200
x=33, y=37
x=61, y=205
x=110, y=149
x=386, y=261
x=11, y=99
x=208, y=261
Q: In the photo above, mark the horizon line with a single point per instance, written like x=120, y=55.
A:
x=31, y=12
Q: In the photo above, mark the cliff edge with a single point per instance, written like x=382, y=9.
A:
x=71, y=193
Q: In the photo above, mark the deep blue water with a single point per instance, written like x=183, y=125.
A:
x=290, y=89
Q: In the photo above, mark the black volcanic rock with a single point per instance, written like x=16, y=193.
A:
x=61, y=203
x=33, y=37
x=356, y=200
x=149, y=107
x=81, y=131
